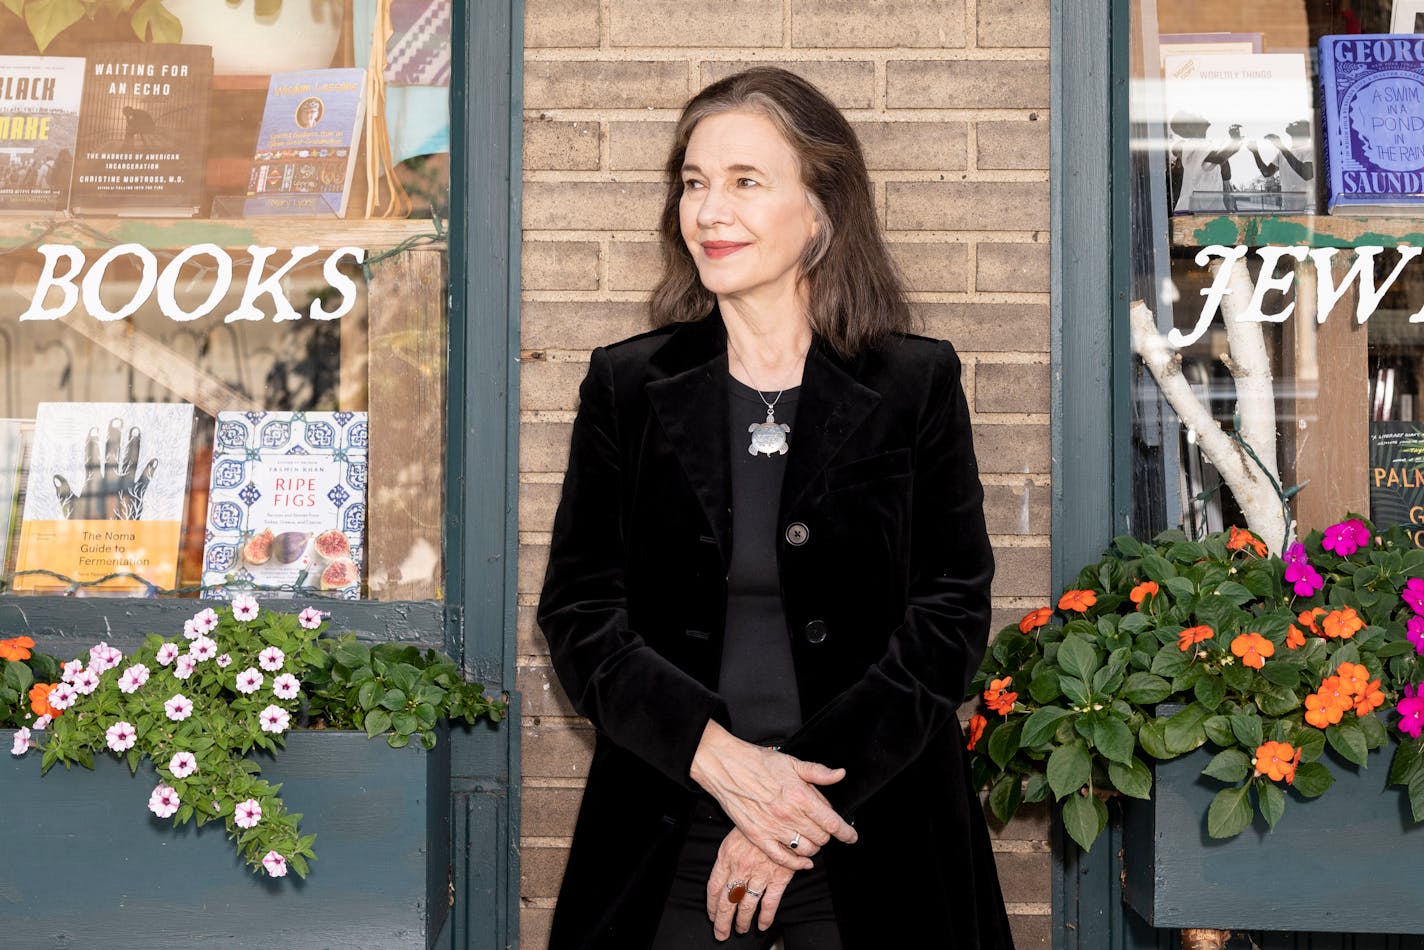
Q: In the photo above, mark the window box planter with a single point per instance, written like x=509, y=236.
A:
x=90, y=867
x=1333, y=864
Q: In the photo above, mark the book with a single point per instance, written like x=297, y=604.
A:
x=306, y=147
x=1372, y=109
x=143, y=132
x=105, y=495
x=39, y=123
x=15, y=440
x=1239, y=130
x=287, y=506
x=1397, y=476
x=1207, y=44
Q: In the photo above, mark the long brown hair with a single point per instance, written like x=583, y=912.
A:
x=854, y=290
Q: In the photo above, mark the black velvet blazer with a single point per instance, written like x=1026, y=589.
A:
x=885, y=568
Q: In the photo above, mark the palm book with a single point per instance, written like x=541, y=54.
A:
x=1397, y=476
x=1239, y=130
x=1372, y=107
x=287, y=508
x=143, y=132
x=39, y=124
x=306, y=148
x=104, y=497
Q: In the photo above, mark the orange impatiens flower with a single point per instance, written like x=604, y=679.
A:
x=976, y=730
x=1242, y=540
x=1343, y=623
x=1277, y=761
x=1253, y=649
x=1035, y=619
x=16, y=648
x=1353, y=677
x=1294, y=638
x=39, y=700
x=1078, y=600
x=1307, y=619
x=1142, y=592
x=1192, y=636
x=996, y=697
x=1370, y=698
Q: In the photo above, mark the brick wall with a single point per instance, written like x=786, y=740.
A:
x=950, y=99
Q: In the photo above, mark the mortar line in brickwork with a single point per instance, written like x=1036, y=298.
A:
x=568, y=234
x=551, y=113
x=787, y=23
x=986, y=358
x=605, y=26
x=535, y=538
x=538, y=903
x=1008, y=418
x=1015, y=480
x=971, y=24
x=583, y=296
x=1021, y=846
x=1020, y=540
x=978, y=296
x=536, y=416
x=545, y=841
x=880, y=55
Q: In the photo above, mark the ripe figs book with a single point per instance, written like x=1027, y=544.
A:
x=306, y=148
x=143, y=133
x=39, y=123
x=1372, y=106
x=287, y=509
x=105, y=495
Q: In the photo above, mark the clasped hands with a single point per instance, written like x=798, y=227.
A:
x=773, y=800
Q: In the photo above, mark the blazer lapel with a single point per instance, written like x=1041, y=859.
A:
x=832, y=405
x=691, y=405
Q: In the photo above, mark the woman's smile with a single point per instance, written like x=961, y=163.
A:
x=720, y=249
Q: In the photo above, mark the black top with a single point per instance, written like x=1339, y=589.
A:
x=758, y=681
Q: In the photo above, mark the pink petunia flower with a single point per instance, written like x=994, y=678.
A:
x=286, y=686
x=1413, y=594
x=203, y=648
x=249, y=681
x=191, y=630
x=163, y=802
x=247, y=814
x=206, y=620
x=311, y=618
x=184, y=666
x=167, y=654
x=1347, y=537
x=271, y=659
x=63, y=696
x=183, y=764
x=22, y=741
x=68, y=671
x=121, y=736
x=244, y=607
x=274, y=719
x=224, y=661
x=275, y=864
x=85, y=682
x=42, y=723
x=103, y=657
x=132, y=678
x=178, y=708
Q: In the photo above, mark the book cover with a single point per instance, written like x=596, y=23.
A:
x=1239, y=134
x=143, y=131
x=306, y=148
x=287, y=508
x=1372, y=108
x=15, y=439
x=39, y=124
x=1207, y=44
x=1397, y=476
x=105, y=495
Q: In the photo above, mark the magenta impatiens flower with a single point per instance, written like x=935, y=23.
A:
x=275, y=864
x=1415, y=629
x=1347, y=537
x=1303, y=578
x=247, y=814
x=1413, y=594
x=1411, y=713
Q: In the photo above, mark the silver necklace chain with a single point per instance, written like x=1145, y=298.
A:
x=769, y=437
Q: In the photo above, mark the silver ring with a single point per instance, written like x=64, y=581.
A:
x=795, y=842
x=752, y=893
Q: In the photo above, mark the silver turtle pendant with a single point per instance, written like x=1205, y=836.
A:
x=769, y=437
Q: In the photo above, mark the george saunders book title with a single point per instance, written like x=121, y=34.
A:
x=1372, y=97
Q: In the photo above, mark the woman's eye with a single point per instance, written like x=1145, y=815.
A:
x=691, y=185
x=746, y=182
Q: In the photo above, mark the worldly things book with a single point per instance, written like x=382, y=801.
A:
x=1397, y=476
x=105, y=495
x=287, y=507
x=306, y=149
x=1239, y=134
x=39, y=123
x=143, y=132
x=1372, y=107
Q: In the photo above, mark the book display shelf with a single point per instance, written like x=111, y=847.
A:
x=184, y=223
x=1241, y=138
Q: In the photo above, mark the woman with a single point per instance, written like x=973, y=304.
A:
x=768, y=583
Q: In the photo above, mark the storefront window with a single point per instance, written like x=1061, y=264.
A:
x=223, y=291
x=1278, y=335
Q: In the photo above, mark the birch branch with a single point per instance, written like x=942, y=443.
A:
x=1250, y=367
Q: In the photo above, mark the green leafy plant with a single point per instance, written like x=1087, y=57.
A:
x=195, y=707
x=150, y=20
x=1163, y=648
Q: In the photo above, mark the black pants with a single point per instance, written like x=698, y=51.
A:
x=806, y=918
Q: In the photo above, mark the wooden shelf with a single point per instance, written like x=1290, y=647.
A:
x=100, y=233
x=1315, y=230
